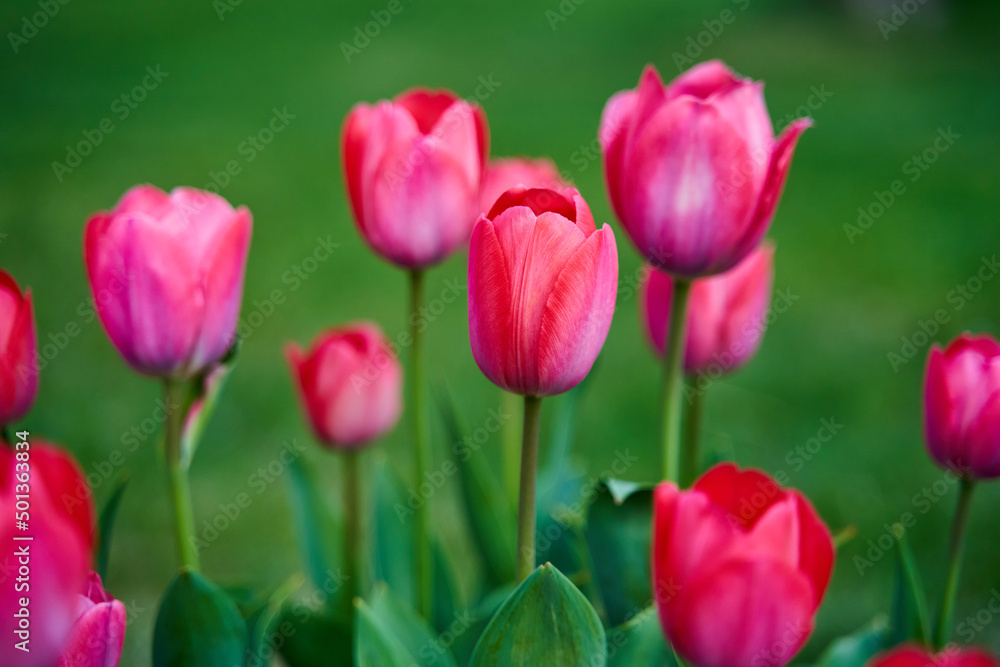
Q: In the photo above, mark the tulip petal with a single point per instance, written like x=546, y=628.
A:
x=702, y=81
x=61, y=475
x=352, y=140
x=98, y=637
x=744, y=495
x=109, y=280
x=200, y=220
x=18, y=351
x=656, y=301
x=426, y=106
x=816, y=551
x=147, y=199
x=614, y=132
x=489, y=303
x=742, y=104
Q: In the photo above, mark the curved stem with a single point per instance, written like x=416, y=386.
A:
x=353, y=528
x=177, y=474
x=956, y=548
x=526, y=493
x=692, y=437
x=673, y=380
x=422, y=546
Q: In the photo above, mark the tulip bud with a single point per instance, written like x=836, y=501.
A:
x=962, y=405
x=350, y=384
x=99, y=631
x=413, y=169
x=166, y=273
x=726, y=312
x=502, y=174
x=693, y=169
x=18, y=351
x=542, y=287
x=740, y=567
x=915, y=656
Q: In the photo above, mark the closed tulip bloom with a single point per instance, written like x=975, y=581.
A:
x=542, y=286
x=726, y=312
x=413, y=168
x=18, y=351
x=740, y=567
x=962, y=405
x=166, y=273
x=350, y=384
x=60, y=525
x=502, y=174
x=99, y=632
x=915, y=656
x=693, y=169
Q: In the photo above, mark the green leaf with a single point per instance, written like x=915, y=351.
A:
x=619, y=525
x=198, y=625
x=470, y=623
x=313, y=637
x=639, y=641
x=105, y=527
x=546, y=621
x=910, y=618
x=393, y=538
x=262, y=619
x=856, y=649
x=445, y=590
x=204, y=395
x=390, y=630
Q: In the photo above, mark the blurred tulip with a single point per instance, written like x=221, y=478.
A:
x=99, y=632
x=413, y=168
x=542, y=287
x=350, y=384
x=915, y=656
x=726, y=312
x=57, y=557
x=166, y=273
x=962, y=405
x=18, y=351
x=693, y=169
x=502, y=174
x=740, y=567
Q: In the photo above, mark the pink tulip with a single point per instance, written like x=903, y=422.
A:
x=726, y=312
x=915, y=656
x=18, y=352
x=413, y=168
x=350, y=384
x=502, y=174
x=166, y=273
x=740, y=567
x=542, y=287
x=962, y=405
x=58, y=554
x=693, y=169
x=99, y=632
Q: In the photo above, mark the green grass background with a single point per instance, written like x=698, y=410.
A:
x=826, y=357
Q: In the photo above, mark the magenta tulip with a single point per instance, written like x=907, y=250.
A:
x=350, y=384
x=693, y=169
x=99, y=632
x=502, y=174
x=58, y=555
x=962, y=405
x=413, y=168
x=740, y=567
x=542, y=287
x=166, y=273
x=915, y=656
x=18, y=351
x=726, y=312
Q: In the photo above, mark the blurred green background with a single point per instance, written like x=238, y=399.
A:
x=887, y=94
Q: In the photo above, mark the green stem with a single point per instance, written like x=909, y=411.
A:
x=956, y=548
x=421, y=441
x=510, y=442
x=677, y=658
x=526, y=493
x=354, y=541
x=673, y=380
x=177, y=474
x=692, y=437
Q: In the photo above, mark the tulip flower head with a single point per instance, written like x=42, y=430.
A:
x=99, y=632
x=502, y=174
x=916, y=656
x=18, y=351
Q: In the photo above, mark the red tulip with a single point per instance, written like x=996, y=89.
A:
x=726, y=312
x=99, y=632
x=693, y=169
x=542, y=286
x=740, y=567
x=18, y=351
x=413, y=168
x=502, y=174
x=166, y=273
x=58, y=554
x=350, y=384
x=962, y=405
x=914, y=656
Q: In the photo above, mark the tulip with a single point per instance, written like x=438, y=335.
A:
x=413, y=168
x=18, y=353
x=693, y=169
x=740, y=567
x=99, y=632
x=915, y=656
x=166, y=274
x=502, y=174
x=726, y=312
x=60, y=522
